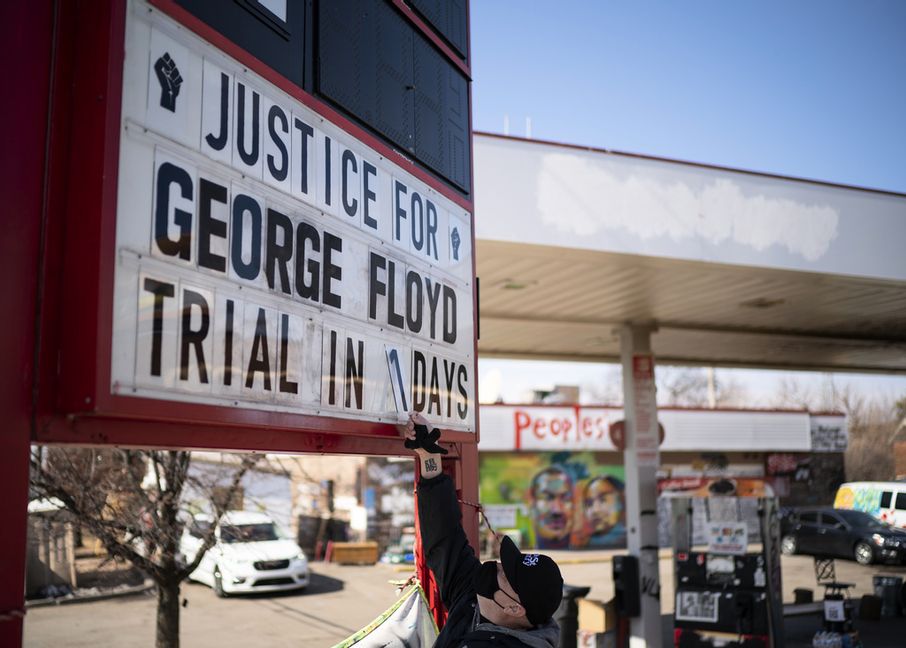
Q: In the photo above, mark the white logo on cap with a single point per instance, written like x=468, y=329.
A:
x=530, y=560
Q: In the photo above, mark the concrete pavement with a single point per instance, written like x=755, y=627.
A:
x=339, y=601
x=342, y=599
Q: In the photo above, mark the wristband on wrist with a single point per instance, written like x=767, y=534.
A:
x=431, y=465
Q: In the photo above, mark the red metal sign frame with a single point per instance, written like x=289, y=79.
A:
x=27, y=39
x=58, y=390
x=75, y=400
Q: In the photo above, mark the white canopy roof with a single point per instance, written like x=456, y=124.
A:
x=734, y=268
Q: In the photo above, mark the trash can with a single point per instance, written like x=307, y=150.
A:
x=567, y=615
x=887, y=588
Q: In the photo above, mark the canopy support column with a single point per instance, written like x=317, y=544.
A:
x=641, y=459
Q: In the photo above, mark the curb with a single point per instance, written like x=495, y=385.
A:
x=69, y=600
x=801, y=609
x=663, y=554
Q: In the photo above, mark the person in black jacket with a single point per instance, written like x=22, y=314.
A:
x=506, y=603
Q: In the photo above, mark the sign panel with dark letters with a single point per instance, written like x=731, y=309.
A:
x=267, y=259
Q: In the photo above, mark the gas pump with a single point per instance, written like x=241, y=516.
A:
x=627, y=594
x=726, y=594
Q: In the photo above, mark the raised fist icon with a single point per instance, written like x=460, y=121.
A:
x=169, y=79
x=455, y=239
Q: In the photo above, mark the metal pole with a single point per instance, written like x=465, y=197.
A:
x=770, y=543
x=27, y=38
x=641, y=459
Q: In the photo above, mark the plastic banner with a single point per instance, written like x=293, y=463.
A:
x=407, y=623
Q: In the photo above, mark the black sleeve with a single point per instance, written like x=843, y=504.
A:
x=447, y=551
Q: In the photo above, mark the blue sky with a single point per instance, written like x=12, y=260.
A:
x=810, y=88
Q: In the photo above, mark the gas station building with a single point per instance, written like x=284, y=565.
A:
x=793, y=455
x=589, y=254
x=126, y=112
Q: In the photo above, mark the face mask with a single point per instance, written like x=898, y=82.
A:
x=486, y=579
x=486, y=584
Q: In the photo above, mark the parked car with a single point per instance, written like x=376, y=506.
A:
x=884, y=500
x=828, y=532
x=250, y=554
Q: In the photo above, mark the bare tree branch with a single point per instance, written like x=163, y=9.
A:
x=138, y=517
x=114, y=535
x=219, y=509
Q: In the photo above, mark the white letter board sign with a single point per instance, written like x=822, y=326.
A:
x=267, y=259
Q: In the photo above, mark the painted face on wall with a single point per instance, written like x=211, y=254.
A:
x=602, y=504
x=552, y=503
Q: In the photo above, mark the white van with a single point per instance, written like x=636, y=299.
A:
x=250, y=554
x=884, y=500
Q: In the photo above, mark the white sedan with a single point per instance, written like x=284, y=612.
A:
x=249, y=555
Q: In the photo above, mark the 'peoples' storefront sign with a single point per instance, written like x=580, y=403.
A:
x=547, y=428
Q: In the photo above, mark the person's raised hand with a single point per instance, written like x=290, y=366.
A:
x=421, y=437
x=407, y=429
x=424, y=442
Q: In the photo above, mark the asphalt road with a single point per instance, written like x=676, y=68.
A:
x=339, y=601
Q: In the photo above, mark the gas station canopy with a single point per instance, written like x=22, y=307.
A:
x=733, y=268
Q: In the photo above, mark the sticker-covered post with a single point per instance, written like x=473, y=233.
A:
x=641, y=458
x=769, y=515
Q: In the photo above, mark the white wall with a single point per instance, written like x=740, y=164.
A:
x=262, y=491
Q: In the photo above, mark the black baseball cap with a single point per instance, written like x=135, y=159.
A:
x=535, y=578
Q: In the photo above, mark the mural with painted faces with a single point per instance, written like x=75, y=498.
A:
x=551, y=497
x=542, y=495
x=602, y=505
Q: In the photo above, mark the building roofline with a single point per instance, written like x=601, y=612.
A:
x=700, y=165
x=672, y=408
